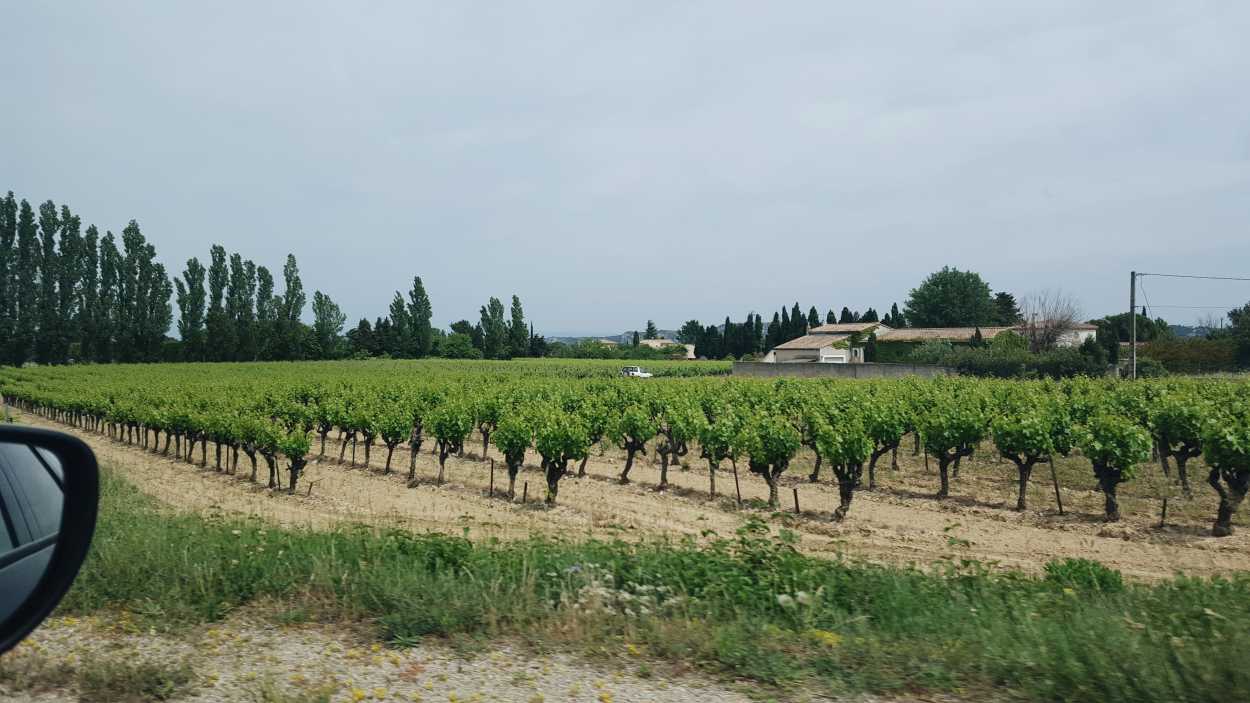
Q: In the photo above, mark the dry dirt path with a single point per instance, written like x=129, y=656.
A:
x=898, y=524
x=244, y=660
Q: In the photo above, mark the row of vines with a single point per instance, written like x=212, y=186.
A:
x=283, y=413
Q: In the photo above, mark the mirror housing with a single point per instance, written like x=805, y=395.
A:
x=24, y=452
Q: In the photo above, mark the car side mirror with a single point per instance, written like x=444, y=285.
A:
x=49, y=491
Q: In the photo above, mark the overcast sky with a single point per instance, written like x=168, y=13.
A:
x=613, y=162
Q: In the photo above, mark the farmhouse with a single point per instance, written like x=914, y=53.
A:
x=664, y=343
x=844, y=343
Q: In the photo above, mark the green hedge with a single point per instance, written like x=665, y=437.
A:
x=1193, y=355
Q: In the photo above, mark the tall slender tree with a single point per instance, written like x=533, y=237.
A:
x=518, y=332
x=89, y=285
x=813, y=318
x=401, y=328
x=191, y=305
x=293, y=300
x=266, y=314
x=8, y=263
x=328, y=322
x=896, y=318
x=420, y=312
x=69, y=264
x=494, y=330
x=220, y=337
x=49, y=325
x=106, y=315
x=25, y=280
x=798, y=321
x=831, y=317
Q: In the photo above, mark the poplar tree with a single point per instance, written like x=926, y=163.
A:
x=494, y=330
x=8, y=261
x=89, y=285
x=191, y=310
x=69, y=264
x=220, y=340
x=518, y=332
x=245, y=325
x=420, y=312
x=48, y=325
x=401, y=328
x=106, y=314
x=292, y=307
x=25, y=282
x=266, y=314
x=328, y=321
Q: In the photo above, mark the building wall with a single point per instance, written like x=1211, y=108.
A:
x=757, y=369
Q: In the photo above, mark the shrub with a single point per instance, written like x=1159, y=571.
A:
x=1085, y=575
x=1192, y=355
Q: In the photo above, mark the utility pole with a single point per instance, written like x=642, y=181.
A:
x=1132, y=321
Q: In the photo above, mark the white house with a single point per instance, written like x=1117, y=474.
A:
x=662, y=343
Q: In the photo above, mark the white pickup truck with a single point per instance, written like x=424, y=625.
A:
x=635, y=372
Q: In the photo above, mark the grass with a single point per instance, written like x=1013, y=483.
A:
x=103, y=679
x=747, y=607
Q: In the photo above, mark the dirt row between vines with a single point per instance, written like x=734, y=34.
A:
x=899, y=523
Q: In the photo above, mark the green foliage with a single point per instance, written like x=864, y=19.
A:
x=1115, y=442
x=1084, y=576
x=951, y=298
x=458, y=346
x=1190, y=355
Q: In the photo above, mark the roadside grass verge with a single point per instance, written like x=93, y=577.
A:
x=747, y=606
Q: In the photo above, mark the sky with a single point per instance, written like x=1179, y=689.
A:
x=617, y=162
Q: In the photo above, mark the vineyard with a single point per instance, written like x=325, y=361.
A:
x=265, y=423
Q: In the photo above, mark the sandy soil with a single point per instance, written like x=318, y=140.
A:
x=898, y=523
x=242, y=659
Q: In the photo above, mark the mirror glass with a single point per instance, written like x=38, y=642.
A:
x=32, y=499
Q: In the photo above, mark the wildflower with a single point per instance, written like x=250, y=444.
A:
x=358, y=695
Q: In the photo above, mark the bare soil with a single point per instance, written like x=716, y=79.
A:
x=899, y=523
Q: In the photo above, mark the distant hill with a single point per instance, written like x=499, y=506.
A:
x=622, y=338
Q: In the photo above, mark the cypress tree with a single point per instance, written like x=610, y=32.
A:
x=728, y=338
x=773, y=336
x=757, y=335
x=869, y=315
x=798, y=321
x=813, y=318
x=48, y=327
x=896, y=318
x=830, y=317
x=786, y=331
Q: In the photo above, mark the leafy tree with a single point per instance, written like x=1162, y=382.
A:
x=90, y=301
x=1240, y=330
x=652, y=332
x=143, y=305
x=25, y=298
x=1007, y=311
x=494, y=330
x=537, y=344
x=1226, y=443
x=420, y=312
x=691, y=332
x=191, y=310
x=267, y=305
x=518, y=332
x=328, y=321
x=1178, y=422
x=49, y=323
x=220, y=332
x=360, y=339
x=290, y=331
x=951, y=298
x=401, y=340
x=240, y=311
x=458, y=346
x=1114, y=445
x=847, y=316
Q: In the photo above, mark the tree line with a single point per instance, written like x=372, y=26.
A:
x=69, y=294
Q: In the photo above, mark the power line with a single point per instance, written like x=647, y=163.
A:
x=1186, y=275
x=1193, y=307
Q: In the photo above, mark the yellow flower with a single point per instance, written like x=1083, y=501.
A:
x=379, y=693
x=358, y=695
x=633, y=649
x=605, y=697
x=825, y=637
